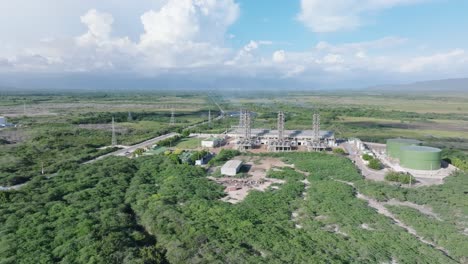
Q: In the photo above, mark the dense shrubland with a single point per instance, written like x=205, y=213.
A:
x=152, y=210
x=400, y=177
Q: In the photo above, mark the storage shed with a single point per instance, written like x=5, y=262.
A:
x=231, y=168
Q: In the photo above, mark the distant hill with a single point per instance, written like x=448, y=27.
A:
x=435, y=86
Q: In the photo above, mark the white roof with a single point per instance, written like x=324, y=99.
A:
x=232, y=164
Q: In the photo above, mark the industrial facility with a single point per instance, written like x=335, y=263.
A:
x=280, y=139
x=412, y=155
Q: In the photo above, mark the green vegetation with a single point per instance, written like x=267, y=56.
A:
x=367, y=157
x=399, y=177
x=161, y=209
x=440, y=232
x=339, y=151
x=188, y=143
x=170, y=142
x=374, y=164
x=78, y=216
x=461, y=164
x=224, y=155
x=53, y=146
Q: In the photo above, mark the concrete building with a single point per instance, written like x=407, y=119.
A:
x=212, y=142
x=231, y=167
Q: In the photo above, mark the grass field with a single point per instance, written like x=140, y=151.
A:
x=188, y=143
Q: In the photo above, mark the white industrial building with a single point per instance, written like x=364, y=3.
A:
x=211, y=142
x=295, y=137
x=231, y=168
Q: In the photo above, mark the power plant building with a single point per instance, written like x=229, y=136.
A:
x=296, y=137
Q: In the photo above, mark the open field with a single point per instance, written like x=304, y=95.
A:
x=188, y=143
x=420, y=104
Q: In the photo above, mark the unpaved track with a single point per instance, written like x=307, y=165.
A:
x=381, y=209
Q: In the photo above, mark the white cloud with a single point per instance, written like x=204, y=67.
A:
x=335, y=15
x=279, y=56
x=332, y=59
x=180, y=34
x=435, y=62
x=188, y=20
x=187, y=33
x=188, y=37
x=245, y=55
x=99, y=27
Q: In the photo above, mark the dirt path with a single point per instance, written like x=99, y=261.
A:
x=421, y=208
x=381, y=209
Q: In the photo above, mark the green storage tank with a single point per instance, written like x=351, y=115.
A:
x=394, y=146
x=420, y=158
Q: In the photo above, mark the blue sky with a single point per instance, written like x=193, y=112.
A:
x=300, y=42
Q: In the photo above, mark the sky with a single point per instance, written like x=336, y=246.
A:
x=229, y=43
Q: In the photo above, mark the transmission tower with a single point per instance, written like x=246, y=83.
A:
x=24, y=109
x=241, y=118
x=129, y=118
x=247, y=125
x=280, y=125
x=209, y=117
x=172, y=122
x=316, y=126
x=114, y=139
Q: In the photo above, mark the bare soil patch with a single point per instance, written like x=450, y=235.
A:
x=237, y=189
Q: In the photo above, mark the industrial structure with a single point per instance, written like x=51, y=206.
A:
x=412, y=155
x=172, y=121
x=209, y=118
x=245, y=136
x=281, y=139
x=280, y=143
x=420, y=158
x=394, y=146
x=231, y=167
x=316, y=144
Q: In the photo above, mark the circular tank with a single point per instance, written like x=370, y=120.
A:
x=420, y=158
x=394, y=146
